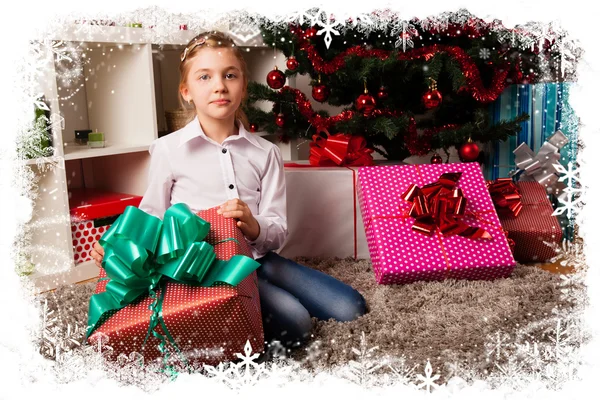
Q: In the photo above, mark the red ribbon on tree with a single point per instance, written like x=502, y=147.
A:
x=441, y=205
x=339, y=150
x=506, y=197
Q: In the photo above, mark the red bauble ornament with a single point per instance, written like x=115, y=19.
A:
x=310, y=33
x=468, y=152
x=320, y=92
x=436, y=159
x=280, y=120
x=275, y=79
x=292, y=63
x=383, y=93
x=365, y=103
x=432, y=99
x=253, y=127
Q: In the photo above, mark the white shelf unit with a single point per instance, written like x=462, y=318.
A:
x=123, y=91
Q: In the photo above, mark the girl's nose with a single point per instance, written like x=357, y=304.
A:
x=220, y=85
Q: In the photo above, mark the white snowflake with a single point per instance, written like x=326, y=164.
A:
x=562, y=340
x=498, y=345
x=428, y=380
x=510, y=373
x=361, y=371
x=328, y=24
x=405, y=38
x=572, y=196
x=245, y=373
x=402, y=373
x=484, y=53
x=48, y=332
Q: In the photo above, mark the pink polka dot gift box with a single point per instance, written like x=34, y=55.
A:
x=431, y=222
x=206, y=325
x=92, y=212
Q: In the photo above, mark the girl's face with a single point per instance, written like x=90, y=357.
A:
x=214, y=83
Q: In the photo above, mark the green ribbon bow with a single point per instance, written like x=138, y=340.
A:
x=141, y=252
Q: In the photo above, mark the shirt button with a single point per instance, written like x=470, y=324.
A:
x=230, y=186
x=224, y=151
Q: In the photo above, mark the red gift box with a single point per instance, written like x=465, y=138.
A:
x=209, y=324
x=92, y=213
x=534, y=225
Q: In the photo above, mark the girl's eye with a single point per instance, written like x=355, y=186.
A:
x=203, y=77
x=230, y=76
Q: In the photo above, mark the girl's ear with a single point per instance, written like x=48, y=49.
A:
x=184, y=92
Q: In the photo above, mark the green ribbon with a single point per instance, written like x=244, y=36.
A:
x=141, y=251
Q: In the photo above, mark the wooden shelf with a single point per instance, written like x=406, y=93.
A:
x=76, y=152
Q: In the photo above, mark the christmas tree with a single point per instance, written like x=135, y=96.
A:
x=407, y=88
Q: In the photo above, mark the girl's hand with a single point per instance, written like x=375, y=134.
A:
x=97, y=254
x=236, y=208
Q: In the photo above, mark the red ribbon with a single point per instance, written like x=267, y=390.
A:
x=339, y=150
x=506, y=197
x=441, y=205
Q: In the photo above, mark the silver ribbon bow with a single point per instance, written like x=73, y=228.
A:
x=539, y=167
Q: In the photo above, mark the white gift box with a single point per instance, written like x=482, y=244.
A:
x=323, y=215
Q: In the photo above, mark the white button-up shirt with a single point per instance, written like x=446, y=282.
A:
x=188, y=167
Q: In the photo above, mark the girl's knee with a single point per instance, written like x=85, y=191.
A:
x=350, y=308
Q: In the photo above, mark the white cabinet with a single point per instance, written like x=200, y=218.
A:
x=124, y=87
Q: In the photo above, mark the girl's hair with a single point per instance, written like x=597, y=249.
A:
x=213, y=39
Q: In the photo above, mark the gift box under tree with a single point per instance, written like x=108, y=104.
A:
x=431, y=222
x=183, y=320
x=526, y=213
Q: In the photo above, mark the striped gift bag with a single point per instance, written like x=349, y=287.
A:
x=548, y=107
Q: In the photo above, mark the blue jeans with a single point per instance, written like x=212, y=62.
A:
x=290, y=294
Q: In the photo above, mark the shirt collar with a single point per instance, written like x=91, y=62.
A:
x=193, y=130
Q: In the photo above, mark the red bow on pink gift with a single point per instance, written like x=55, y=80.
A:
x=506, y=196
x=340, y=149
x=441, y=205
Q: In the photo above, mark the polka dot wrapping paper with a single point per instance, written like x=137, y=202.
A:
x=534, y=225
x=90, y=211
x=209, y=324
x=401, y=255
x=84, y=234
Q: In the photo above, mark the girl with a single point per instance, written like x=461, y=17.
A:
x=213, y=161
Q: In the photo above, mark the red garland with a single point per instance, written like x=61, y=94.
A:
x=320, y=122
x=415, y=143
x=467, y=66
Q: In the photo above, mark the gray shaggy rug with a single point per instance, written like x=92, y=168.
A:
x=454, y=324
